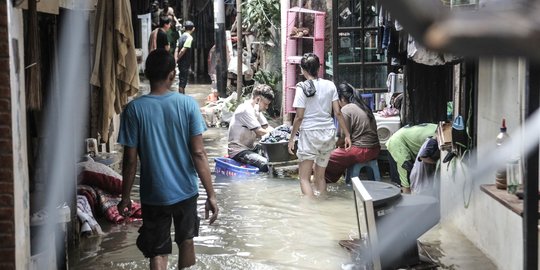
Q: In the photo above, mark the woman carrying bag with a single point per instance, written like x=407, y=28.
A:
x=315, y=101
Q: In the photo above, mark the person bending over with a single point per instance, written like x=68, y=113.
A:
x=403, y=147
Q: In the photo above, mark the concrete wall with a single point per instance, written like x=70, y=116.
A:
x=488, y=224
x=20, y=158
x=14, y=232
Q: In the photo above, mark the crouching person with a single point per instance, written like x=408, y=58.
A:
x=247, y=125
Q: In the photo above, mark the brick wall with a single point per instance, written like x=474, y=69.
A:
x=7, y=232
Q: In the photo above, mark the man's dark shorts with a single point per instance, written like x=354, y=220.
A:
x=183, y=74
x=155, y=233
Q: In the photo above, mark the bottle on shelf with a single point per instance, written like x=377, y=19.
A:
x=502, y=137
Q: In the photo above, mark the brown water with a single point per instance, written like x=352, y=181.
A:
x=264, y=223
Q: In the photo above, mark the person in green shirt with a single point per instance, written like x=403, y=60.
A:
x=404, y=145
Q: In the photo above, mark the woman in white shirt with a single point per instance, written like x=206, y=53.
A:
x=315, y=101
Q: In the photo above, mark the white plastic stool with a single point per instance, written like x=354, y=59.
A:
x=354, y=170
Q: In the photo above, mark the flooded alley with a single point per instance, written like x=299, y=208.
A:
x=443, y=122
x=264, y=223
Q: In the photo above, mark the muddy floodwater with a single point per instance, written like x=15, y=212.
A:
x=264, y=223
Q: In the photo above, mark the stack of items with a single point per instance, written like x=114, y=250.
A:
x=99, y=190
x=299, y=32
x=275, y=144
x=217, y=113
x=279, y=134
x=444, y=135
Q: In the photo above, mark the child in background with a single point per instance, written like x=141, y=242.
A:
x=212, y=97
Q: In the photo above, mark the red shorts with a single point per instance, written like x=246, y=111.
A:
x=340, y=160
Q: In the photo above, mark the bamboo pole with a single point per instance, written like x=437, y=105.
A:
x=33, y=64
x=239, y=50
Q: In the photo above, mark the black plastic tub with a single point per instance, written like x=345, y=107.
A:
x=278, y=152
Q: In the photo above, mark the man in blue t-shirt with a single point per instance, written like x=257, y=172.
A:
x=164, y=129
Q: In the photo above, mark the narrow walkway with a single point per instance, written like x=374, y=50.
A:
x=452, y=250
x=117, y=250
x=443, y=243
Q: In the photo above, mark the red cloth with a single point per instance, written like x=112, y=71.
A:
x=340, y=160
x=108, y=203
x=112, y=213
x=105, y=182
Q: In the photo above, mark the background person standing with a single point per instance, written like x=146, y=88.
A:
x=173, y=34
x=158, y=37
x=183, y=55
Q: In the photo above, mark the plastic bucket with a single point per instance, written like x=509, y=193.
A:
x=278, y=151
x=230, y=167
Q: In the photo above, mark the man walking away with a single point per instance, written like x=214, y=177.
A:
x=183, y=55
x=164, y=129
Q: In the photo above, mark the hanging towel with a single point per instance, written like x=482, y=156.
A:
x=115, y=70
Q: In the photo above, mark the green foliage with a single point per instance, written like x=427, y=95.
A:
x=270, y=78
x=231, y=105
x=261, y=16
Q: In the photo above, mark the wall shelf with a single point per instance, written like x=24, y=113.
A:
x=294, y=51
x=510, y=201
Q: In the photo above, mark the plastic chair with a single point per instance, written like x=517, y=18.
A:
x=354, y=170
